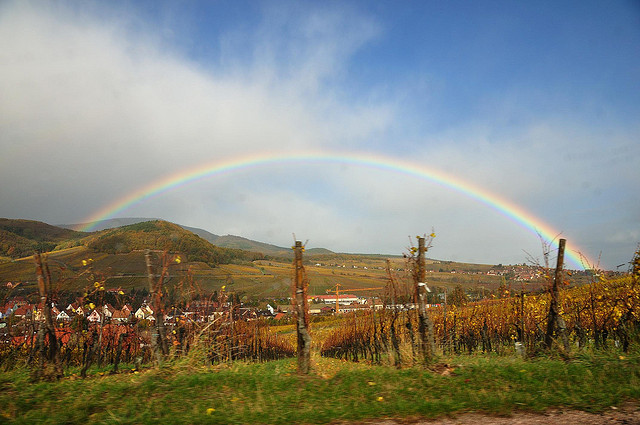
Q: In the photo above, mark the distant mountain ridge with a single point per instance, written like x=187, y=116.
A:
x=110, y=223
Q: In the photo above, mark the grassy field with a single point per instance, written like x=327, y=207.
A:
x=188, y=392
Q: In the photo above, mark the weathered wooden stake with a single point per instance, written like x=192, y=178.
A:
x=445, y=332
x=302, y=311
x=425, y=324
x=523, y=336
x=554, y=318
x=47, y=328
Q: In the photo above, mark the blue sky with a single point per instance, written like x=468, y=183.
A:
x=537, y=102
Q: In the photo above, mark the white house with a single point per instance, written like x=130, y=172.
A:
x=94, y=316
x=108, y=310
x=143, y=312
x=63, y=316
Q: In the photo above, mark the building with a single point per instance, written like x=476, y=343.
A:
x=345, y=299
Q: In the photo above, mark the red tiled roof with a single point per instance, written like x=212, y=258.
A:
x=119, y=314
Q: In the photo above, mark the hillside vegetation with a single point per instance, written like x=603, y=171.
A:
x=164, y=236
x=20, y=238
x=118, y=255
x=226, y=241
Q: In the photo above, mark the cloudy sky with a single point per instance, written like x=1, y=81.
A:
x=535, y=102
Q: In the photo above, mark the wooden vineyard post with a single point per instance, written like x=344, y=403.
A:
x=445, y=335
x=523, y=333
x=554, y=318
x=48, y=328
x=301, y=306
x=425, y=324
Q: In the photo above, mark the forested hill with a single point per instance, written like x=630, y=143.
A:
x=224, y=241
x=165, y=236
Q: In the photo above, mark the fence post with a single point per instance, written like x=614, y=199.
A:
x=554, y=318
x=47, y=327
x=425, y=324
x=302, y=311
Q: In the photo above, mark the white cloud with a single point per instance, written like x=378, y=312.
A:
x=96, y=104
x=104, y=105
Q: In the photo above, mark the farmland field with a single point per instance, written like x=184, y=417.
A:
x=258, y=279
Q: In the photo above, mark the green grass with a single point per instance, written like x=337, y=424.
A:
x=272, y=392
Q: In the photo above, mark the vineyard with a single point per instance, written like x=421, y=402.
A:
x=209, y=361
x=222, y=340
x=606, y=312
x=212, y=331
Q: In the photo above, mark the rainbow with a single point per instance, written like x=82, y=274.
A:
x=216, y=168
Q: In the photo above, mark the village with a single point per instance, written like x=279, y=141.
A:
x=19, y=309
x=18, y=317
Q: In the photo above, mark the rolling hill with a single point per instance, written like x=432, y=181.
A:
x=116, y=255
x=238, y=242
x=226, y=241
x=117, y=258
x=163, y=236
x=19, y=238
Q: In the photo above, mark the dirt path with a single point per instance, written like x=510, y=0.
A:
x=624, y=415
